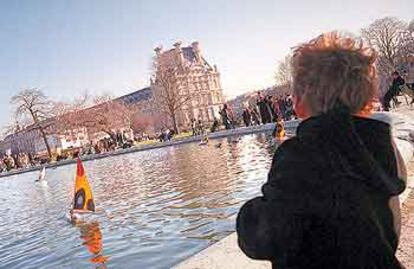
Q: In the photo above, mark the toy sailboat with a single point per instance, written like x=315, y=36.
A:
x=83, y=200
x=41, y=179
x=279, y=131
x=42, y=174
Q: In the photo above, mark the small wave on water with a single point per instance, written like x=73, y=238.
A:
x=155, y=208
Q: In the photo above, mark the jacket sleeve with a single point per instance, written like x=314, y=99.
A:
x=272, y=225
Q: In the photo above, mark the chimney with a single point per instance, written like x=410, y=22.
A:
x=177, y=45
x=196, y=46
x=196, y=49
x=179, y=53
x=158, y=50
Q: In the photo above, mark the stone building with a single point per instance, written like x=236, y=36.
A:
x=196, y=79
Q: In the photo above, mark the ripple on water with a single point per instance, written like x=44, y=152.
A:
x=155, y=207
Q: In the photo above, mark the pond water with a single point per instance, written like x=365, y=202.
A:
x=155, y=208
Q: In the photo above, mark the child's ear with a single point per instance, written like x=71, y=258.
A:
x=300, y=107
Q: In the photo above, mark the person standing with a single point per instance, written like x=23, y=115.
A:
x=393, y=91
x=247, y=116
x=264, y=109
x=275, y=109
x=226, y=117
x=410, y=78
x=255, y=116
x=193, y=126
x=200, y=126
x=215, y=125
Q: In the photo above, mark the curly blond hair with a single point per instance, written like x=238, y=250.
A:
x=332, y=68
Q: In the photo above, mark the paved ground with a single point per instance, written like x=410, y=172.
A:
x=406, y=249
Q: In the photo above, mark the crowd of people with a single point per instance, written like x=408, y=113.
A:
x=20, y=160
x=270, y=109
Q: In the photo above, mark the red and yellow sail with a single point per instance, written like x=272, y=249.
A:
x=280, y=129
x=83, y=199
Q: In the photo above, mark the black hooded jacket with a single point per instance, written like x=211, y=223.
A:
x=325, y=204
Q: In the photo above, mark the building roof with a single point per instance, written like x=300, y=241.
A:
x=136, y=96
x=188, y=54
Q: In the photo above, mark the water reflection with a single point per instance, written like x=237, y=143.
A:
x=158, y=207
x=91, y=235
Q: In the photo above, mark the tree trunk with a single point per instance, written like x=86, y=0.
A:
x=174, y=120
x=42, y=132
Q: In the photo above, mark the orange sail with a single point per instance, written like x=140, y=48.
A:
x=280, y=129
x=83, y=200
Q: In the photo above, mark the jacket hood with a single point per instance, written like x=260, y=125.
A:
x=337, y=130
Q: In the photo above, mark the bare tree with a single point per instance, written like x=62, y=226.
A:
x=388, y=37
x=68, y=115
x=170, y=92
x=34, y=104
x=284, y=72
x=141, y=123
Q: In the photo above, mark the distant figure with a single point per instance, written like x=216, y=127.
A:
x=264, y=109
x=410, y=74
x=255, y=116
x=275, y=109
x=288, y=108
x=247, y=117
x=408, y=88
x=193, y=126
x=393, y=90
x=215, y=125
x=200, y=126
x=226, y=117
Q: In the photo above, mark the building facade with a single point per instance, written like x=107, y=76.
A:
x=197, y=80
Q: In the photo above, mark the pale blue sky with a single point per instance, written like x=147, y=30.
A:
x=65, y=47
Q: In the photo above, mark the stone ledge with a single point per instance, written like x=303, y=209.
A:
x=175, y=142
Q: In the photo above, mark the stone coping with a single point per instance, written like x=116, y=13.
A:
x=220, y=134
